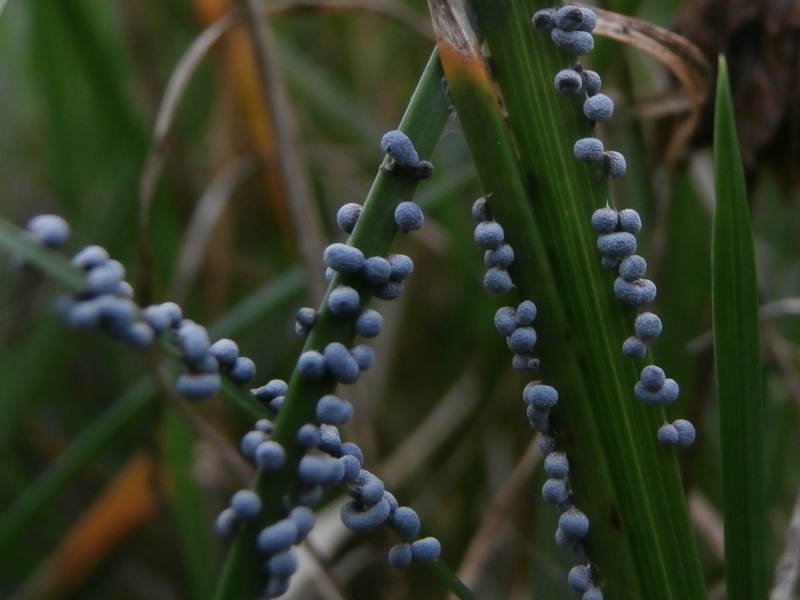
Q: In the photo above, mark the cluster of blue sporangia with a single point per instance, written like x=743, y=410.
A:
x=617, y=244
x=328, y=462
x=105, y=303
x=570, y=29
x=489, y=235
x=516, y=325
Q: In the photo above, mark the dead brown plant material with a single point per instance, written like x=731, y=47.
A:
x=761, y=44
x=679, y=55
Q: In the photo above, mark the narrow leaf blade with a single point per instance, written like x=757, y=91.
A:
x=738, y=367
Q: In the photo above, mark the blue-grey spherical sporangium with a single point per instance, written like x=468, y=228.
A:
x=686, y=432
x=278, y=537
x=308, y=436
x=270, y=456
x=544, y=20
x=588, y=150
x=408, y=216
x=647, y=325
x=556, y=465
x=397, y=145
x=633, y=347
x=332, y=410
x=630, y=221
x=615, y=164
x=568, y=82
x=480, y=210
x=90, y=257
x=505, y=320
x=426, y=550
x=502, y=257
x=632, y=267
x=574, y=42
x=540, y=396
x=524, y=363
x=340, y=363
x=580, y=578
x=347, y=216
x=363, y=355
x=225, y=351
x=522, y=340
x=251, y=441
x=402, y=266
x=652, y=378
x=400, y=555
x=592, y=82
x=489, y=235
x=246, y=503
x=197, y=386
x=406, y=522
x=668, y=435
x=635, y=293
x=343, y=301
x=369, y=323
x=51, y=230
x=573, y=523
x=589, y=20
x=526, y=313
x=497, y=281
x=568, y=18
x=343, y=258
x=555, y=491
x=242, y=371
x=605, y=220
x=360, y=518
x=376, y=270
x=617, y=245
x=598, y=108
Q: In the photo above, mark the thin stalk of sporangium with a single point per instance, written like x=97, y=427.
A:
x=626, y=483
x=374, y=234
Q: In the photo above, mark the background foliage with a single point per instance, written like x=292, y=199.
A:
x=439, y=418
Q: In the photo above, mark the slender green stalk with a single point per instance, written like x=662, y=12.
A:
x=188, y=507
x=737, y=362
x=423, y=122
x=640, y=535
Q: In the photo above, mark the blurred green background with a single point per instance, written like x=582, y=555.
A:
x=439, y=417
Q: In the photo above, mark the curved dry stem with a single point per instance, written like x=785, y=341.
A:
x=708, y=523
x=294, y=172
x=204, y=217
x=787, y=571
x=188, y=64
x=154, y=161
x=674, y=51
x=483, y=545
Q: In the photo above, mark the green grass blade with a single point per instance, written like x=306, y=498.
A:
x=738, y=362
x=188, y=508
x=105, y=430
x=640, y=535
x=423, y=122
